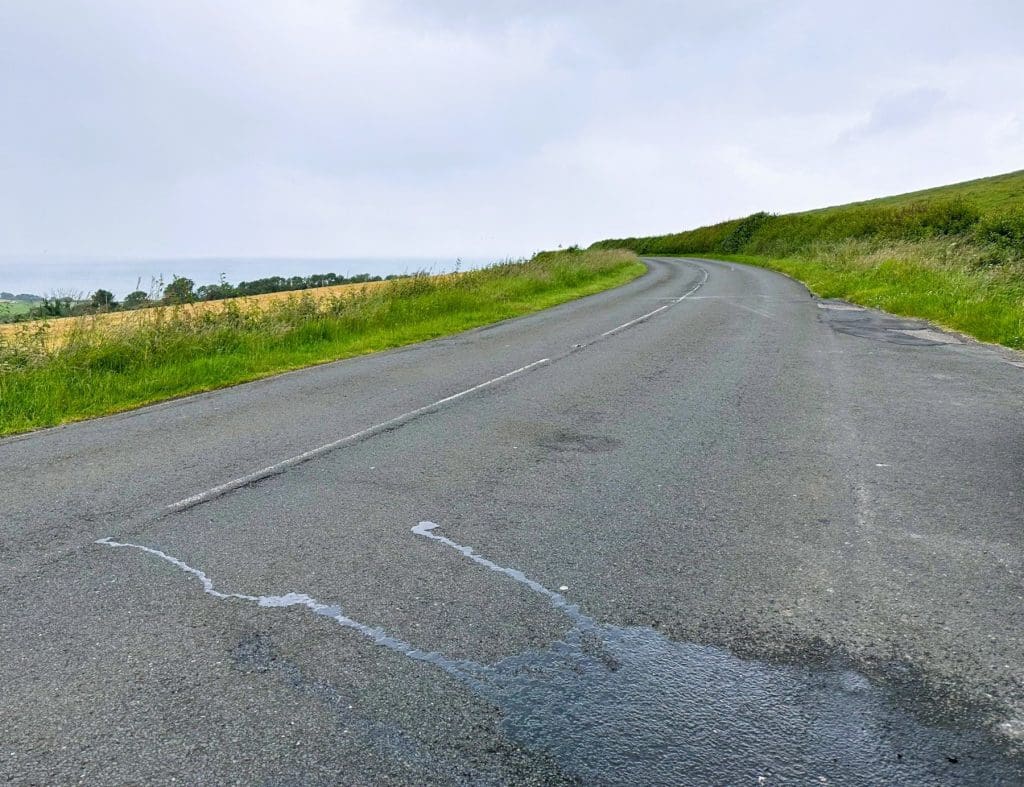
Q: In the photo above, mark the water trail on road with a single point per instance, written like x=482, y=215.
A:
x=464, y=670
x=558, y=601
x=627, y=705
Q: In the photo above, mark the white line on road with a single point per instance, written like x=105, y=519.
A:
x=276, y=469
x=398, y=420
x=647, y=316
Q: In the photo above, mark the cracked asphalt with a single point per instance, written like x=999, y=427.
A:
x=791, y=530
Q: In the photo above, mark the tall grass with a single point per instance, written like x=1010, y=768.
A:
x=162, y=354
x=954, y=255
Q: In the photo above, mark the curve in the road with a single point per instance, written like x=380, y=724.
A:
x=779, y=522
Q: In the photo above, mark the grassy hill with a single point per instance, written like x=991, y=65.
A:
x=988, y=195
x=13, y=308
x=953, y=254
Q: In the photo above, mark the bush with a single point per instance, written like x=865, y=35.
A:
x=743, y=232
x=1004, y=232
x=954, y=217
x=771, y=234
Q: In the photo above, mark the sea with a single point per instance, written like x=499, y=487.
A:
x=80, y=276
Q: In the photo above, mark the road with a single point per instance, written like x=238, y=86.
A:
x=750, y=538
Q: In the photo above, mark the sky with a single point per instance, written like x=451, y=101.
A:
x=485, y=130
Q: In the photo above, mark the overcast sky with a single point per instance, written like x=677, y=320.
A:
x=137, y=128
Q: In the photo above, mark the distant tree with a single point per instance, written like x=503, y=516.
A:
x=102, y=299
x=180, y=290
x=134, y=300
x=215, y=292
x=56, y=305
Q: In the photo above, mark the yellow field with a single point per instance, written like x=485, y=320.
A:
x=57, y=330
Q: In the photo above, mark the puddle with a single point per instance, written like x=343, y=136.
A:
x=642, y=709
x=614, y=705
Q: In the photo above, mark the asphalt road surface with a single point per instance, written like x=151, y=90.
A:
x=750, y=538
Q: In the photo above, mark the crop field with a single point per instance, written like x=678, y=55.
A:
x=59, y=330
x=70, y=369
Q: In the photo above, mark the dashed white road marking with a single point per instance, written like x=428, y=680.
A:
x=279, y=467
x=644, y=317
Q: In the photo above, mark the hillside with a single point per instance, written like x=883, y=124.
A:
x=10, y=307
x=952, y=254
x=986, y=194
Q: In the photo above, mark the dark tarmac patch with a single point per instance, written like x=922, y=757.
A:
x=571, y=441
x=642, y=709
x=616, y=705
x=868, y=324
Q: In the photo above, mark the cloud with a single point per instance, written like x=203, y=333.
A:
x=897, y=113
x=479, y=129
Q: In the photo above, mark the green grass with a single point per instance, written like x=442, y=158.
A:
x=988, y=195
x=953, y=255
x=166, y=355
x=15, y=308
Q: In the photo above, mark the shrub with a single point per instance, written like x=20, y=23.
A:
x=1004, y=232
x=953, y=217
x=743, y=232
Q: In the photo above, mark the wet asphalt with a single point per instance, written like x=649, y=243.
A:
x=757, y=538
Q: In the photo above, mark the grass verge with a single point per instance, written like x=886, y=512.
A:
x=169, y=354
